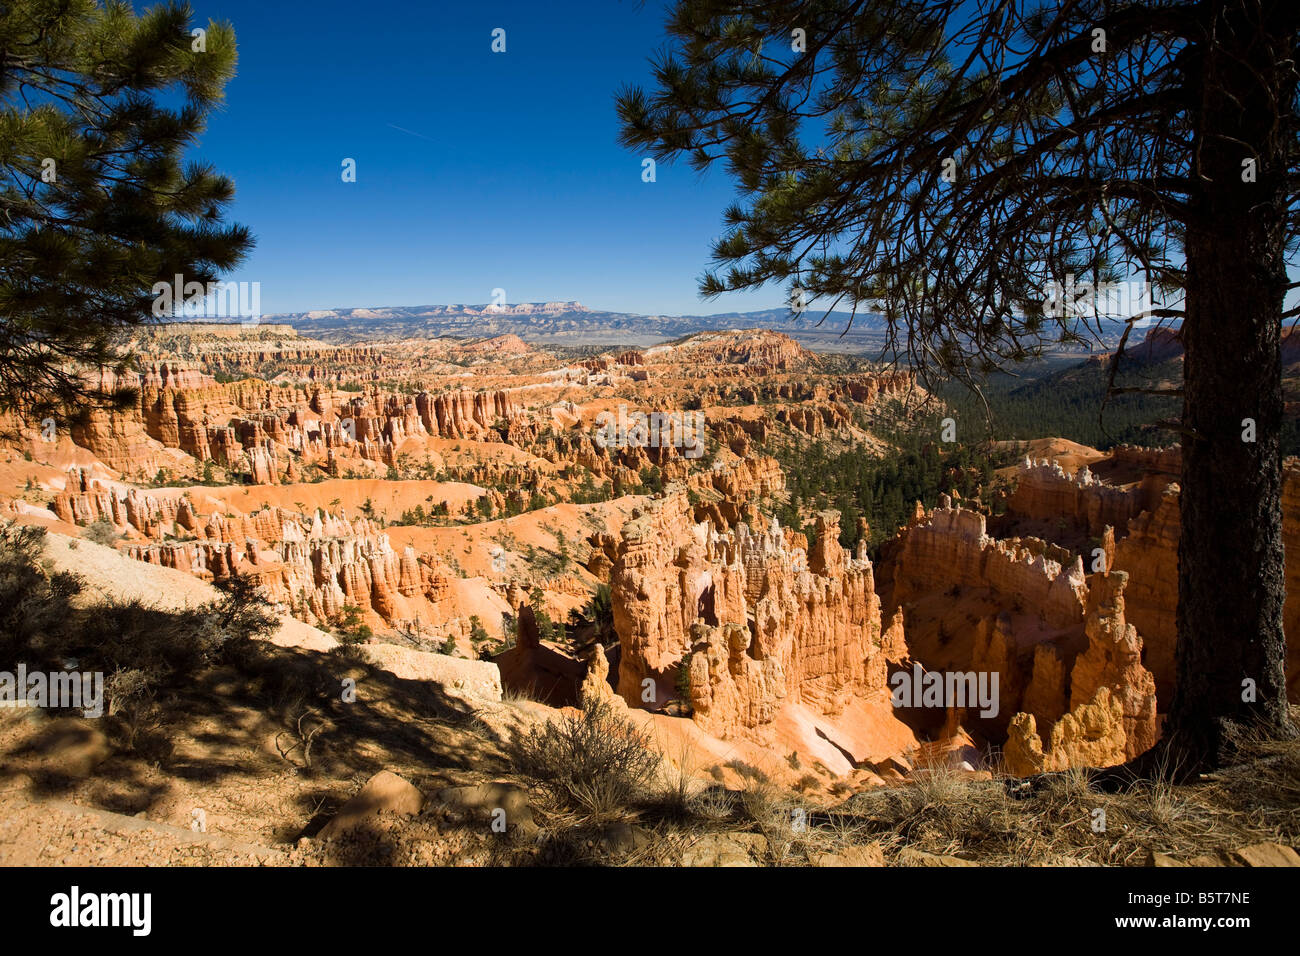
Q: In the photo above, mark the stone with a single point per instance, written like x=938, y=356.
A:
x=725, y=849
x=1114, y=660
x=1147, y=549
x=385, y=792
x=913, y=857
x=477, y=680
x=1267, y=854
x=870, y=854
x=1091, y=735
x=482, y=801
x=620, y=839
x=1033, y=616
x=746, y=621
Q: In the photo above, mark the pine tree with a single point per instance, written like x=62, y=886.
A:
x=942, y=162
x=96, y=203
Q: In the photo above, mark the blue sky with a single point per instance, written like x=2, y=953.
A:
x=508, y=176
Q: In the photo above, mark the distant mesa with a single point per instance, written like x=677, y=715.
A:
x=572, y=323
x=417, y=311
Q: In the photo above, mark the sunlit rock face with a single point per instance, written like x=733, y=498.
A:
x=1057, y=638
x=742, y=623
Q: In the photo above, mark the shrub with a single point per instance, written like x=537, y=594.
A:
x=33, y=604
x=144, y=649
x=169, y=647
x=349, y=628
x=600, y=611
x=652, y=480
x=509, y=630
x=477, y=632
x=547, y=630
x=682, y=681
x=101, y=531
x=598, y=762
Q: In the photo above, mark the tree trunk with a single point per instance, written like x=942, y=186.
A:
x=1231, y=580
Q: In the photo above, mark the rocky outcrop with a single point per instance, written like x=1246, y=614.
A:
x=1130, y=459
x=120, y=441
x=262, y=468
x=1046, y=492
x=538, y=668
x=660, y=584
x=742, y=485
x=1090, y=736
x=863, y=388
x=595, y=684
x=755, y=348
x=477, y=681
x=748, y=478
x=952, y=549
x=85, y=500
x=811, y=419
x=263, y=430
x=741, y=623
x=1148, y=554
x=1025, y=610
x=317, y=571
x=462, y=414
x=1113, y=661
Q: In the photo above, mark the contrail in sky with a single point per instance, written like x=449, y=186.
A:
x=411, y=132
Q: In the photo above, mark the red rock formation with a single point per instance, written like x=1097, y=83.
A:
x=262, y=464
x=1090, y=736
x=862, y=388
x=747, y=479
x=950, y=548
x=755, y=348
x=1045, y=492
x=259, y=428
x=1020, y=610
x=1148, y=553
x=316, y=572
x=540, y=669
x=1113, y=661
x=750, y=624
x=1133, y=458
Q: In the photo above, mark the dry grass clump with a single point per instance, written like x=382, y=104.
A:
x=596, y=762
x=938, y=811
x=1263, y=790
x=1061, y=819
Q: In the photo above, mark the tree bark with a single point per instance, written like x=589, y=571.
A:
x=1231, y=576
